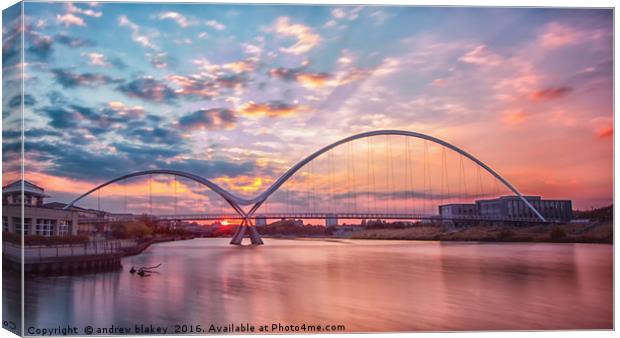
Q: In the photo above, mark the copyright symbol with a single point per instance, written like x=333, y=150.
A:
x=88, y=330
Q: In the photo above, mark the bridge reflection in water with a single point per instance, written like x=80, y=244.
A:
x=399, y=182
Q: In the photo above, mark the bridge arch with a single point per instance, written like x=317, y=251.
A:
x=235, y=201
x=260, y=199
x=232, y=200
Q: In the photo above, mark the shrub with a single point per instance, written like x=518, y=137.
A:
x=504, y=235
x=42, y=240
x=557, y=234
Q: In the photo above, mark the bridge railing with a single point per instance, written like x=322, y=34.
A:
x=319, y=215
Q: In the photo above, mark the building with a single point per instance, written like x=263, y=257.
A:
x=331, y=221
x=458, y=210
x=260, y=221
x=86, y=226
x=510, y=207
x=39, y=219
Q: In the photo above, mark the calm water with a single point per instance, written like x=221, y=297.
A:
x=365, y=285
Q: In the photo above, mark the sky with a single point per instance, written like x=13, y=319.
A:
x=240, y=93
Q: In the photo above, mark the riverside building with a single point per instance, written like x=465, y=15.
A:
x=39, y=219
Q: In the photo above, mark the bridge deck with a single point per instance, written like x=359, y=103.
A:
x=367, y=216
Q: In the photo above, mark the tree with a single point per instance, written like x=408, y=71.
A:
x=133, y=229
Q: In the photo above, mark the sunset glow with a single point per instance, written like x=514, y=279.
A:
x=238, y=94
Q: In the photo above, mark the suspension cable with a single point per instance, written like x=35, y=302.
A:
x=353, y=179
x=125, y=193
x=151, y=194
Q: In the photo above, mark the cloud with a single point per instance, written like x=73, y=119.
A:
x=558, y=35
x=314, y=80
x=209, y=83
x=215, y=25
x=78, y=162
x=118, y=63
x=439, y=82
x=306, y=38
x=68, y=79
x=40, y=47
x=69, y=19
x=240, y=66
x=481, y=55
x=252, y=49
x=16, y=101
x=147, y=88
x=160, y=60
x=122, y=110
x=41, y=132
x=605, y=132
x=216, y=168
x=549, y=93
x=72, y=42
x=180, y=19
x=215, y=71
x=156, y=135
x=306, y=79
x=271, y=109
x=11, y=43
x=77, y=10
x=288, y=74
x=514, y=117
x=136, y=33
x=221, y=118
x=231, y=80
x=349, y=13
x=193, y=86
x=97, y=59
x=60, y=118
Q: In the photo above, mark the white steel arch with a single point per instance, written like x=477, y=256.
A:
x=236, y=202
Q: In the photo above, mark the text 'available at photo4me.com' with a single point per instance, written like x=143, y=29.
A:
x=151, y=329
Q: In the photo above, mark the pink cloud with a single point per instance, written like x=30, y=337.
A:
x=481, y=55
x=558, y=35
x=605, y=132
x=549, y=93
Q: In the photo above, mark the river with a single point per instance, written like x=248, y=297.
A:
x=361, y=284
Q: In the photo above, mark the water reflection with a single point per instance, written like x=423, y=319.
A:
x=365, y=285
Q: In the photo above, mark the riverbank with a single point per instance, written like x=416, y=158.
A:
x=562, y=233
x=140, y=247
x=95, y=256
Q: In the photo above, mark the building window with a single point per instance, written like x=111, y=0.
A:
x=27, y=225
x=5, y=224
x=45, y=227
x=18, y=225
x=63, y=227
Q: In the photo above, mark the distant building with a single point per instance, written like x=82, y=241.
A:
x=331, y=220
x=39, y=219
x=85, y=216
x=260, y=221
x=514, y=207
x=458, y=210
x=510, y=207
x=345, y=231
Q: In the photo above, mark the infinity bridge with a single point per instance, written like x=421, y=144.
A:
x=373, y=175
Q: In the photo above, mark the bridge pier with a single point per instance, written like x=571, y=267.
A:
x=240, y=233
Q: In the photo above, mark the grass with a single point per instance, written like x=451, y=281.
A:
x=562, y=233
